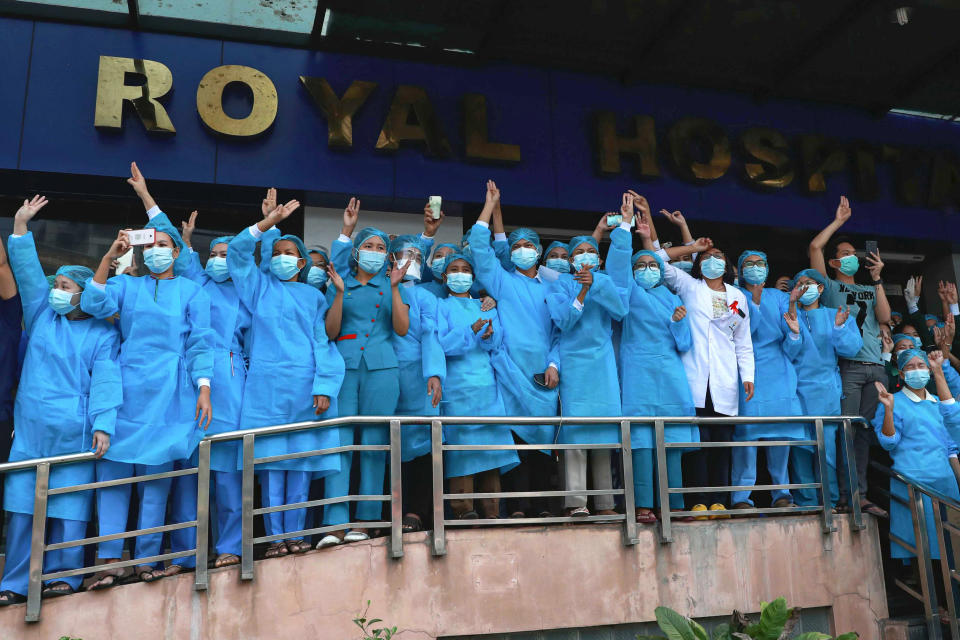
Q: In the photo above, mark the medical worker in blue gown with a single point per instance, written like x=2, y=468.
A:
x=67, y=403
x=469, y=337
x=582, y=306
x=317, y=274
x=422, y=369
x=530, y=348
x=920, y=432
x=653, y=381
x=230, y=320
x=776, y=343
x=433, y=282
x=365, y=310
x=557, y=257
x=295, y=372
x=166, y=361
x=827, y=334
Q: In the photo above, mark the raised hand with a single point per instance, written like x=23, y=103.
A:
x=795, y=295
x=269, y=202
x=334, y=278
x=949, y=331
x=841, y=318
x=136, y=180
x=938, y=335
x=702, y=244
x=626, y=207
x=396, y=273
x=843, y=210
x=187, y=227
x=493, y=194
x=26, y=213
x=430, y=225
x=679, y=313
x=584, y=277
x=782, y=284
x=119, y=246
x=886, y=340
x=936, y=360
x=282, y=212
x=640, y=203
x=643, y=229
x=886, y=398
x=675, y=217
x=875, y=265
x=351, y=215
x=792, y=322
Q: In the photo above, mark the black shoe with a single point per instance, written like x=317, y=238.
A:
x=8, y=598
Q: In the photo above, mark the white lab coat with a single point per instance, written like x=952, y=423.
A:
x=722, y=348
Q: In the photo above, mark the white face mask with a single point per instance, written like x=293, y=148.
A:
x=414, y=272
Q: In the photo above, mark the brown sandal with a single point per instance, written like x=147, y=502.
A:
x=226, y=560
x=277, y=550
x=299, y=546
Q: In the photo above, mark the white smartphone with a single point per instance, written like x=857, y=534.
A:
x=141, y=236
x=435, y=204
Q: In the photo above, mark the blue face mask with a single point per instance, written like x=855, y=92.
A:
x=916, y=342
x=61, y=301
x=810, y=294
x=158, y=259
x=284, y=267
x=316, y=277
x=755, y=275
x=459, y=282
x=371, y=261
x=916, y=378
x=582, y=260
x=438, y=266
x=647, y=278
x=713, y=267
x=524, y=257
x=849, y=265
x=561, y=265
x=217, y=269
x=683, y=265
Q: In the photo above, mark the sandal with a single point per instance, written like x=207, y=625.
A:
x=872, y=509
x=108, y=578
x=8, y=598
x=299, y=546
x=276, y=550
x=469, y=515
x=412, y=523
x=646, y=516
x=841, y=508
x=149, y=575
x=226, y=560
x=175, y=570
x=57, y=589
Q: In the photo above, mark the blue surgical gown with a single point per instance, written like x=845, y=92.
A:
x=921, y=446
x=420, y=357
x=291, y=360
x=530, y=339
x=775, y=387
x=818, y=377
x=471, y=388
x=653, y=380
x=69, y=388
x=166, y=348
x=230, y=320
x=589, y=385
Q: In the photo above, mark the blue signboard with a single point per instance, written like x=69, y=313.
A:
x=50, y=79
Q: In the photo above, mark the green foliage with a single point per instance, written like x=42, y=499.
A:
x=776, y=622
x=366, y=626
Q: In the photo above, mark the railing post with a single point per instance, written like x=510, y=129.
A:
x=946, y=559
x=436, y=456
x=246, y=543
x=824, y=476
x=203, y=516
x=927, y=581
x=853, y=483
x=663, y=484
x=629, y=500
x=38, y=538
x=396, y=492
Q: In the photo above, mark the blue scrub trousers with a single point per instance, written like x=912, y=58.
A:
x=364, y=393
x=743, y=471
x=228, y=496
x=16, y=570
x=645, y=477
x=113, y=503
x=280, y=488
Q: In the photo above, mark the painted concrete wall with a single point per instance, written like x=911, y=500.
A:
x=497, y=581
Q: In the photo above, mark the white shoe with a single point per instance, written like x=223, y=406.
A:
x=355, y=536
x=328, y=541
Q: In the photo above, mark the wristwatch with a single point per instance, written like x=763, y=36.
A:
x=877, y=283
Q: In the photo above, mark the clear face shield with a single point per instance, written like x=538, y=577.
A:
x=410, y=254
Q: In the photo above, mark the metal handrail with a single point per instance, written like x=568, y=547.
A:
x=942, y=505
x=249, y=461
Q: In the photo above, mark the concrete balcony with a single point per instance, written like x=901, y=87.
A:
x=498, y=581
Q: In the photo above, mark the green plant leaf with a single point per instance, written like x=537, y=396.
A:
x=851, y=635
x=676, y=626
x=721, y=632
x=792, y=621
x=773, y=617
x=813, y=635
x=698, y=631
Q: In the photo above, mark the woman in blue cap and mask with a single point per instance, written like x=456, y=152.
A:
x=557, y=257
x=776, y=343
x=230, y=320
x=317, y=275
x=653, y=383
x=827, y=335
x=582, y=307
x=920, y=432
x=469, y=337
x=365, y=311
x=67, y=403
x=166, y=359
x=295, y=372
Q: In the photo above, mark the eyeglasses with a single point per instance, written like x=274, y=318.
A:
x=754, y=263
x=643, y=266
